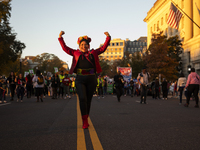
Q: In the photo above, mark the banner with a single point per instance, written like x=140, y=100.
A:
x=56, y=69
x=31, y=71
x=110, y=88
x=26, y=73
x=126, y=72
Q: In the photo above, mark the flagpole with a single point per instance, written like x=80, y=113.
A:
x=186, y=14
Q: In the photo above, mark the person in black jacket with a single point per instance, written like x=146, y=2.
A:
x=55, y=85
x=164, y=89
x=119, y=84
x=12, y=84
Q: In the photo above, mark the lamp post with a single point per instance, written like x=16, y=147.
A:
x=20, y=65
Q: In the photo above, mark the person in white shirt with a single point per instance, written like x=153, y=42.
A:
x=181, y=85
x=143, y=80
x=38, y=81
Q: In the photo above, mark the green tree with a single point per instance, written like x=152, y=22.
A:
x=10, y=48
x=47, y=62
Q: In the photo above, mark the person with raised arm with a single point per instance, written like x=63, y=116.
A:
x=85, y=64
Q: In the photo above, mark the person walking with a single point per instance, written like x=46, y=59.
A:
x=181, y=85
x=85, y=64
x=192, y=86
x=66, y=81
x=55, y=85
x=143, y=80
x=20, y=87
x=119, y=84
x=29, y=85
x=100, y=86
x=12, y=84
x=105, y=84
x=164, y=89
x=39, y=81
x=61, y=87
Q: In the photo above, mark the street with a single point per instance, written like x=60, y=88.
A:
x=56, y=124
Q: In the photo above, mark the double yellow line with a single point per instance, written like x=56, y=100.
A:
x=81, y=145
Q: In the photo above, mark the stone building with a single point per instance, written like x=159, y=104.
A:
x=188, y=32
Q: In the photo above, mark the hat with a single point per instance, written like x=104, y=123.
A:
x=83, y=38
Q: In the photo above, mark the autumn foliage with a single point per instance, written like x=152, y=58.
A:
x=158, y=61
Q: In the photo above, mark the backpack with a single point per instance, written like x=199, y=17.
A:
x=40, y=80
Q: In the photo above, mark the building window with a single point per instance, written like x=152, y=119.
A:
x=143, y=43
x=119, y=52
x=133, y=43
x=132, y=49
x=111, y=56
x=113, y=44
x=182, y=22
x=111, y=52
x=161, y=21
x=120, y=56
x=107, y=49
x=111, y=49
x=107, y=56
x=107, y=53
x=166, y=16
x=115, y=52
x=117, y=44
x=115, y=49
x=129, y=49
x=158, y=26
x=115, y=56
x=135, y=49
x=136, y=43
x=121, y=44
x=120, y=49
x=182, y=5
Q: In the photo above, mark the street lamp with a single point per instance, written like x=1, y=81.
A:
x=189, y=69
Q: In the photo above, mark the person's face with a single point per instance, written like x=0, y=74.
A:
x=20, y=76
x=119, y=72
x=83, y=46
x=12, y=73
x=144, y=70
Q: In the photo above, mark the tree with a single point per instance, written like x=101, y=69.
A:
x=47, y=62
x=136, y=63
x=158, y=60
x=104, y=66
x=10, y=48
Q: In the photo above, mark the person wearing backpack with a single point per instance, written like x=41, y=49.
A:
x=39, y=81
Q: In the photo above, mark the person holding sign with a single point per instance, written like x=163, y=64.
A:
x=85, y=64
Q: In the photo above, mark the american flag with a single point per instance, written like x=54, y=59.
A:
x=174, y=17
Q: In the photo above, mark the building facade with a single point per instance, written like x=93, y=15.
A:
x=118, y=47
x=114, y=51
x=139, y=45
x=188, y=32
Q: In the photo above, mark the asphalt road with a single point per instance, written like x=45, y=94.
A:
x=128, y=125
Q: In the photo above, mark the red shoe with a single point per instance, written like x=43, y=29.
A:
x=85, y=121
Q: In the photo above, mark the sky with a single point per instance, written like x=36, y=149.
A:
x=39, y=22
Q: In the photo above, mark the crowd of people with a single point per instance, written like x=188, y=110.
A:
x=58, y=85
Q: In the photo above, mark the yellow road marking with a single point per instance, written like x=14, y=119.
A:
x=81, y=145
x=94, y=137
x=80, y=132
